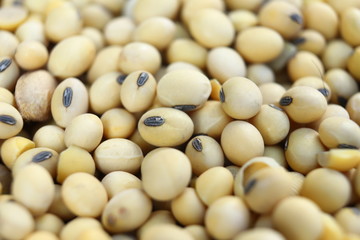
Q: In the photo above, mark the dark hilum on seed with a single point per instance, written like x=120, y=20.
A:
x=142, y=79
x=154, y=121
x=4, y=64
x=42, y=156
x=197, y=145
x=7, y=119
x=67, y=96
x=285, y=101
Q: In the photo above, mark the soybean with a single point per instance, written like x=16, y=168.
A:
x=118, y=154
x=310, y=40
x=77, y=192
x=118, y=123
x=353, y=106
x=348, y=218
x=336, y=53
x=50, y=136
x=9, y=73
x=165, y=127
x=11, y=122
x=119, y=31
x=6, y=96
x=13, y=147
x=118, y=181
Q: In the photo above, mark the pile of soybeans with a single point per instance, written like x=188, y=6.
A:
x=179, y=119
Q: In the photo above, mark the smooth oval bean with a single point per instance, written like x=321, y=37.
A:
x=85, y=131
x=90, y=10
x=166, y=172
x=13, y=147
x=311, y=41
x=6, y=96
x=119, y=31
x=117, y=181
x=316, y=188
x=165, y=127
x=33, y=187
x=336, y=53
x=353, y=106
x=242, y=18
x=74, y=228
x=260, y=233
x=118, y=123
x=157, y=217
x=121, y=213
x=260, y=74
x=11, y=122
x=145, y=9
x=9, y=73
x=74, y=159
x=78, y=191
x=304, y=64
x=241, y=141
x=71, y=57
x=271, y=92
x=50, y=223
x=10, y=43
x=118, y=154
x=166, y=231
x=12, y=16
x=348, y=218
x=50, y=136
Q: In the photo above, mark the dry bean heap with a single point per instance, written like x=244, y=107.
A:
x=179, y=119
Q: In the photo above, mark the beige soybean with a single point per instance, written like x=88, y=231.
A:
x=332, y=230
x=62, y=22
x=227, y=217
x=94, y=234
x=339, y=159
x=58, y=206
x=242, y=19
x=12, y=16
x=302, y=148
x=280, y=62
x=304, y=64
x=145, y=9
x=353, y=107
x=50, y=136
x=298, y=218
x=11, y=122
x=33, y=187
x=241, y=141
x=233, y=66
x=71, y=57
x=271, y=92
x=241, y=98
x=105, y=62
x=44, y=157
x=198, y=232
x=194, y=86
x=78, y=191
x=188, y=208
x=74, y=228
x=283, y=17
x=32, y=29
x=303, y=104
x=165, y=127
x=328, y=188
x=41, y=235
x=266, y=187
x=104, y=93
x=118, y=154
x=137, y=56
x=348, y=218
x=181, y=65
x=9, y=73
x=121, y=213
x=211, y=28
x=157, y=31
x=166, y=172
x=342, y=85
x=119, y=31
x=204, y=152
x=337, y=131
x=259, y=44
x=49, y=222
x=114, y=6
x=336, y=54
x=260, y=74
x=118, y=123
x=31, y=55
x=138, y=91
x=33, y=93
x=117, y=181
x=260, y=233
x=166, y=231
x=310, y=40
x=10, y=43
x=316, y=83
x=348, y=27
x=6, y=96
x=213, y=184
x=353, y=62
x=250, y=5
x=95, y=15
x=144, y=145
x=332, y=110
x=72, y=160
x=322, y=18
x=16, y=221
x=210, y=119
x=187, y=50
x=156, y=217
x=13, y=147
x=94, y=35
x=273, y=124
x=191, y=8
x=85, y=131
